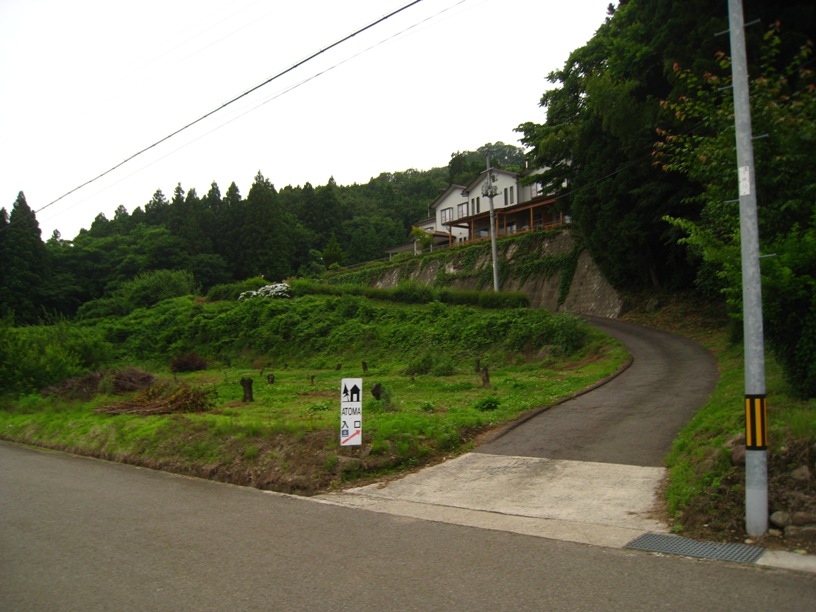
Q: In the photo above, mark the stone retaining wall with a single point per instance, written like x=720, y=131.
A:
x=589, y=291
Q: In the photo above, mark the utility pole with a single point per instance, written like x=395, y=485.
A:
x=489, y=190
x=756, y=411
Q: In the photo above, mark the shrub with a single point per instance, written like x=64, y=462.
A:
x=420, y=365
x=35, y=357
x=491, y=299
x=444, y=366
x=144, y=290
x=191, y=362
x=273, y=291
x=231, y=291
x=487, y=404
x=412, y=293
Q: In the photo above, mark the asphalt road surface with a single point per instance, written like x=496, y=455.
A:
x=83, y=534
x=631, y=420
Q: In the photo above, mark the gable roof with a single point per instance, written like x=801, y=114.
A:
x=483, y=175
x=450, y=190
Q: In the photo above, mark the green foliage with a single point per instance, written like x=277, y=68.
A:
x=783, y=100
x=24, y=264
x=421, y=364
x=444, y=366
x=32, y=358
x=145, y=290
x=601, y=114
x=790, y=306
x=231, y=291
x=348, y=326
x=333, y=252
x=412, y=292
x=293, y=423
x=488, y=404
x=699, y=493
x=521, y=258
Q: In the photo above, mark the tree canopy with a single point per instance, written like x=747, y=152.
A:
x=602, y=112
x=783, y=110
x=218, y=238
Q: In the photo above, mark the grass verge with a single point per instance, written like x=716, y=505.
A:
x=287, y=439
x=705, y=490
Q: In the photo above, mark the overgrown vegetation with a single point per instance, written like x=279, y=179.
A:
x=412, y=292
x=521, y=257
x=35, y=357
x=783, y=99
x=424, y=356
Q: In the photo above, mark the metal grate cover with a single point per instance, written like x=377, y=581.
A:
x=677, y=545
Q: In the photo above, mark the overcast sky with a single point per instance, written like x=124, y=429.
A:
x=88, y=83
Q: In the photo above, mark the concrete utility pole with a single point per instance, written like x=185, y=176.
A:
x=756, y=417
x=489, y=190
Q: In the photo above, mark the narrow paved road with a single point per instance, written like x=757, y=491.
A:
x=82, y=534
x=631, y=420
x=587, y=470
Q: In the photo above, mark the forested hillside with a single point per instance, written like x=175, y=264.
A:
x=222, y=237
x=637, y=145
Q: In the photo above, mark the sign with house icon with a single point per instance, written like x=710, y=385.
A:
x=351, y=411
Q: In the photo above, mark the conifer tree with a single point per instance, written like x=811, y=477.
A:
x=24, y=264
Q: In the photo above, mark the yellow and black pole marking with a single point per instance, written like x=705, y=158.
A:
x=756, y=422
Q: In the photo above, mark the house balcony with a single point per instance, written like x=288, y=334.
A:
x=534, y=215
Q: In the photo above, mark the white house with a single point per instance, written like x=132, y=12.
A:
x=506, y=193
x=451, y=205
x=462, y=213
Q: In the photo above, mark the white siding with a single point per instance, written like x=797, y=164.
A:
x=449, y=205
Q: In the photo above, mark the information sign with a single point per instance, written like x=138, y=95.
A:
x=351, y=411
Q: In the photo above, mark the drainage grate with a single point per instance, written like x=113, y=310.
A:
x=677, y=545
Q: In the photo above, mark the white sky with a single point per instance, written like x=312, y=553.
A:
x=86, y=84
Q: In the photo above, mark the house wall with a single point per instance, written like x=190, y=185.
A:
x=455, y=206
x=528, y=192
x=451, y=205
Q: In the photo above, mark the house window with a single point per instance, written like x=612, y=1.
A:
x=512, y=196
x=505, y=196
x=462, y=210
x=478, y=205
x=447, y=214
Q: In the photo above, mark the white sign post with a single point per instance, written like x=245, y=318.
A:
x=351, y=411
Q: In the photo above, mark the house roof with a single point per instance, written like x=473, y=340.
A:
x=450, y=190
x=483, y=175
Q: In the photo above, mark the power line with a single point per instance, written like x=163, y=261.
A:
x=297, y=85
x=233, y=100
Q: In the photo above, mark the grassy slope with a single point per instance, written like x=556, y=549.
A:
x=287, y=439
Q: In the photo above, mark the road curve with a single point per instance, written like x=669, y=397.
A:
x=631, y=420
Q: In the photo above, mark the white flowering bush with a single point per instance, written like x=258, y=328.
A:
x=275, y=290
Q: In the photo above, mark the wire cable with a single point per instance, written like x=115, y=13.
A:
x=233, y=100
x=275, y=96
